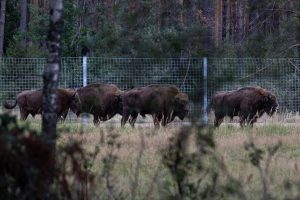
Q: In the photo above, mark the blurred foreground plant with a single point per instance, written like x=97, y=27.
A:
x=27, y=160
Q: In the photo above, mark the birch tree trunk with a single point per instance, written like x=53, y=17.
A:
x=49, y=117
x=2, y=24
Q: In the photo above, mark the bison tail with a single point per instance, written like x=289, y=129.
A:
x=9, y=106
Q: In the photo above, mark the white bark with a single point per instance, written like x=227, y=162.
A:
x=52, y=71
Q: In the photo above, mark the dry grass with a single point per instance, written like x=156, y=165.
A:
x=147, y=144
x=230, y=140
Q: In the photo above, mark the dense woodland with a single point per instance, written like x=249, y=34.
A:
x=155, y=28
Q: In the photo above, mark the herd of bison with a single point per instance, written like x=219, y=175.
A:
x=162, y=102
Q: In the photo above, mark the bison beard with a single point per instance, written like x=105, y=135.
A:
x=163, y=102
x=249, y=103
x=30, y=102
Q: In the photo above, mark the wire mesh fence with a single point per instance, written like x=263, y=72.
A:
x=282, y=76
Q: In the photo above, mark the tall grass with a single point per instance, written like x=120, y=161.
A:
x=139, y=160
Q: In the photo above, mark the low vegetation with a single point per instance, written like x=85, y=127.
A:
x=182, y=162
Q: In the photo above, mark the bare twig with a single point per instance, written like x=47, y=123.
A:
x=291, y=63
x=187, y=71
x=260, y=70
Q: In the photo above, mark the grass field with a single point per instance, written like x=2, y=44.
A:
x=139, y=171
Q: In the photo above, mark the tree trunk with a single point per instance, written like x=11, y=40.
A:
x=246, y=19
x=2, y=25
x=178, y=18
x=36, y=7
x=164, y=13
x=91, y=14
x=224, y=19
x=49, y=117
x=240, y=22
x=232, y=16
x=218, y=22
x=23, y=22
x=110, y=11
x=45, y=5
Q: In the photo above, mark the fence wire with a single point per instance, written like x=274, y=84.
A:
x=282, y=76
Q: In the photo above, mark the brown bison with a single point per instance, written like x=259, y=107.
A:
x=100, y=100
x=30, y=102
x=163, y=102
x=249, y=103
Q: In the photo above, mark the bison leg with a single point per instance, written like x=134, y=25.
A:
x=125, y=116
x=252, y=119
x=156, y=120
x=132, y=119
x=63, y=116
x=242, y=121
x=96, y=120
x=124, y=120
x=24, y=114
x=165, y=120
x=218, y=120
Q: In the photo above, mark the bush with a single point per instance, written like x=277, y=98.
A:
x=30, y=169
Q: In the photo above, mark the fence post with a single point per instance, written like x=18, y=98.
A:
x=84, y=71
x=205, y=98
x=84, y=83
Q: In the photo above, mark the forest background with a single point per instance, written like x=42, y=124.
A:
x=156, y=28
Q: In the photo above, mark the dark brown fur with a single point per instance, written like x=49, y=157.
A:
x=163, y=102
x=100, y=100
x=30, y=102
x=249, y=103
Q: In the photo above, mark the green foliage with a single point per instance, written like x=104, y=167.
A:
x=139, y=31
x=131, y=34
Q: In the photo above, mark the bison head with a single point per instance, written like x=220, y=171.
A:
x=270, y=104
x=180, y=105
x=76, y=106
x=117, y=105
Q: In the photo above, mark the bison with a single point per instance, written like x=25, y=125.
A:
x=30, y=102
x=249, y=103
x=163, y=102
x=99, y=99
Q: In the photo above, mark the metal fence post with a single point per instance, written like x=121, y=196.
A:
x=84, y=71
x=84, y=83
x=205, y=98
